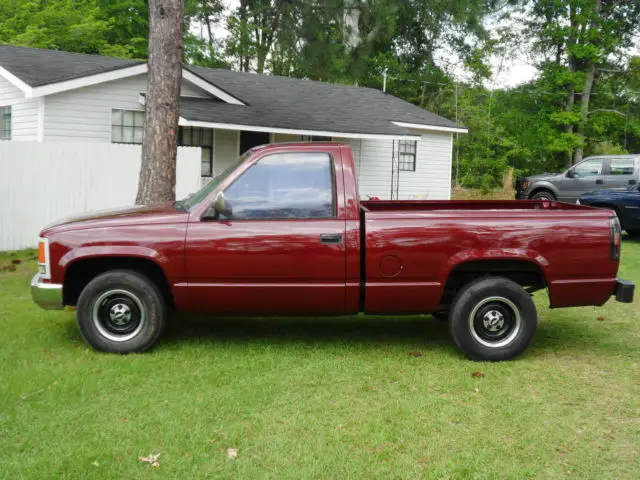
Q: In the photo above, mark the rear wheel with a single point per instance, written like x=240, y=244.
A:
x=493, y=319
x=543, y=195
x=121, y=311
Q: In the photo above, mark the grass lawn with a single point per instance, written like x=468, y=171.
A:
x=318, y=398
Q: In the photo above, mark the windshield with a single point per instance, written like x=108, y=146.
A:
x=194, y=199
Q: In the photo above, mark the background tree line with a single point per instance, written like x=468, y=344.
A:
x=585, y=100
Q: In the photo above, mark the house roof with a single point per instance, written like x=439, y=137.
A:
x=269, y=103
x=37, y=67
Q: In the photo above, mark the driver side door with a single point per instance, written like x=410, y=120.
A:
x=588, y=175
x=281, y=250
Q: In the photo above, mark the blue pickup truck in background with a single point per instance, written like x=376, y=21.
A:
x=626, y=204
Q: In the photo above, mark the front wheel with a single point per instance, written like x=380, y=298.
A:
x=492, y=319
x=121, y=311
x=543, y=195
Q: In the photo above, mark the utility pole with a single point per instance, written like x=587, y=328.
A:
x=384, y=80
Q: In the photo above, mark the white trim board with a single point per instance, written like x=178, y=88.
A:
x=209, y=87
x=86, y=81
x=431, y=128
x=15, y=81
x=252, y=128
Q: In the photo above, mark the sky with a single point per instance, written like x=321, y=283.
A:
x=506, y=72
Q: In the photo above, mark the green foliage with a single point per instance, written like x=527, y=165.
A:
x=76, y=26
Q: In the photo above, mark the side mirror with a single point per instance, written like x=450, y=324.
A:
x=220, y=206
x=571, y=173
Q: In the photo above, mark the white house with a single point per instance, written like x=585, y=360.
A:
x=401, y=151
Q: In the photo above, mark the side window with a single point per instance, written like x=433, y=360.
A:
x=127, y=126
x=589, y=168
x=621, y=166
x=286, y=185
x=407, y=155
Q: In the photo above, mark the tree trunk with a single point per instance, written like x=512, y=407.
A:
x=590, y=72
x=584, y=111
x=157, y=181
x=569, y=128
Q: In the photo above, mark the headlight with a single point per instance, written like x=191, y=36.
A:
x=525, y=185
x=43, y=258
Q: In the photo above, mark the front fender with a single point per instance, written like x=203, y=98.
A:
x=98, y=251
x=546, y=185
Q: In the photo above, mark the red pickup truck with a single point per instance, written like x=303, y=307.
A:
x=283, y=232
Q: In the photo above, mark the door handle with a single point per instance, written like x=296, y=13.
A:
x=599, y=182
x=331, y=238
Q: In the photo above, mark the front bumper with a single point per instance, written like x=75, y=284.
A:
x=624, y=290
x=46, y=295
x=521, y=196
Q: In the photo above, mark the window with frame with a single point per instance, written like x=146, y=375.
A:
x=203, y=138
x=407, y=155
x=127, y=126
x=588, y=168
x=284, y=186
x=621, y=166
x=5, y=128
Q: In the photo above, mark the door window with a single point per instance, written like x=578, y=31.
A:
x=621, y=166
x=284, y=186
x=588, y=168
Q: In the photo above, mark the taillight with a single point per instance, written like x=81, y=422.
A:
x=616, y=237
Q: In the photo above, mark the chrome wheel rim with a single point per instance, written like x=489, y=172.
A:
x=495, y=322
x=118, y=315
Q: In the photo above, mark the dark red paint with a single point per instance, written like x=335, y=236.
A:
x=269, y=267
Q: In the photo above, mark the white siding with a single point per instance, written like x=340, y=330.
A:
x=24, y=112
x=225, y=149
x=430, y=181
x=43, y=182
x=432, y=178
x=373, y=165
x=85, y=114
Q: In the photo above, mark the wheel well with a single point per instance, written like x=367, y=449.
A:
x=81, y=272
x=542, y=189
x=526, y=274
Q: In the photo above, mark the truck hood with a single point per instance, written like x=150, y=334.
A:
x=544, y=176
x=143, y=215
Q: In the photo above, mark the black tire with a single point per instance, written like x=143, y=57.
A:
x=633, y=233
x=486, y=304
x=543, y=195
x=121, y=311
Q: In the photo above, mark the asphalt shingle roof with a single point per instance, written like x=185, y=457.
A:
x=271, y=101
x=306, y=104
x=37, y=67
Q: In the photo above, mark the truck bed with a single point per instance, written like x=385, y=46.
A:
x=404, y=205
x=412, y=248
